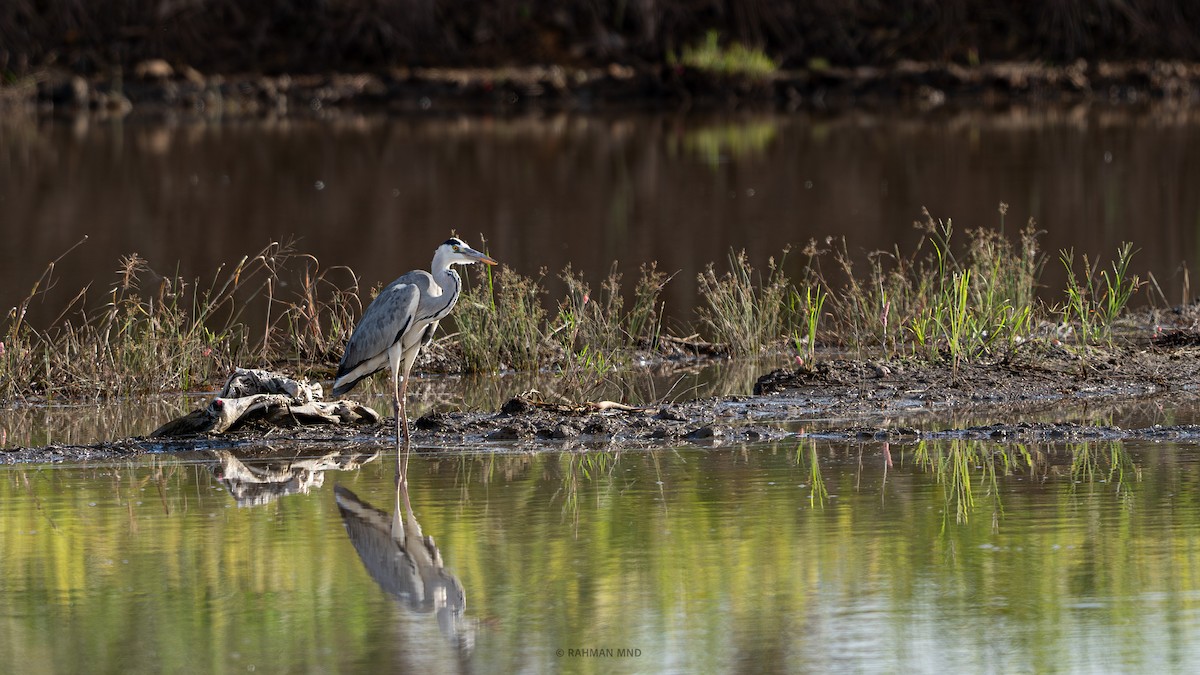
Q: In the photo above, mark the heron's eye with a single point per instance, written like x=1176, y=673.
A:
x=456, y=248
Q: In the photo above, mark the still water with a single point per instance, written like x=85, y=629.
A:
x=819, y=557
x=91, y=422
x=800, y=557
x=377, y=194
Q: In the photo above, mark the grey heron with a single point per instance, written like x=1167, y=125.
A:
x=400, y=321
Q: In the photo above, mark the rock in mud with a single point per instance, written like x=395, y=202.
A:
x=598, y=427
x=431, y=422
x=516, y=406
x=506, y=433
x=154, y=70
x=560, y=432
x=669, y=414
x=704, y=433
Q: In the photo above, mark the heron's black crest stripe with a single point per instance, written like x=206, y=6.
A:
x=455, y=241
x=400, y=333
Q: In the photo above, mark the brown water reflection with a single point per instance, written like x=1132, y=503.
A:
x=378, y=193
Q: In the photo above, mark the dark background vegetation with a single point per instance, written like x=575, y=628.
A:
x=298, y=36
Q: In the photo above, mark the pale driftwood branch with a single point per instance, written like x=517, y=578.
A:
x=274, y=399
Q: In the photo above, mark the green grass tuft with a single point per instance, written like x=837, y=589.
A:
x=742, y=310
x=734, y=59
x=1095, y=302
x=500, y=322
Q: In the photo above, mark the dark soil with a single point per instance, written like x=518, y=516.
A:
x=293, y=36
x=895, y=399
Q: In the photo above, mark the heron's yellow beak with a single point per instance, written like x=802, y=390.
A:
x=482, y=258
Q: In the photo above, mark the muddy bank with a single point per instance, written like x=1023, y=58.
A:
x=896, y=399
x=157, y=88
x=1031, y=373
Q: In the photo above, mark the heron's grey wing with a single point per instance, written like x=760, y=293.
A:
x=385, y=321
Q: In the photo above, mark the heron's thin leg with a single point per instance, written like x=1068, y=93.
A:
x=404, y=420
x=404, y=408
x=398, y=409
x=401, y=448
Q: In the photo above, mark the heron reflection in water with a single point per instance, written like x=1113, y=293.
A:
x=406, y=563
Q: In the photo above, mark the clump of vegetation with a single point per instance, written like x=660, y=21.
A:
x=814, y=304
x=590, y=324
x=939, y=303
x=946, y=302
x=313, y=325
x=743, y=311
x=500, y=322
x=589, y=327
x=734, y=59
x=1095, y=302
x=151, y=333
x=166, y=333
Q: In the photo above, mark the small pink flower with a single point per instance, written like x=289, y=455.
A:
x=1, y=349
x=586, y=297
x=206, y=352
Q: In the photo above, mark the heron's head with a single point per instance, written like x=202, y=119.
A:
x=455, y=251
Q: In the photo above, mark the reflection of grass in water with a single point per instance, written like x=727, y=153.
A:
x=818, y=492
x=1111, y=464
x=735, y=140
x=955, y=463
x=951, y=465
x=953, y=469
x=578, y=468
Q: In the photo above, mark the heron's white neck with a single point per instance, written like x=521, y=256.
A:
x=444, y=274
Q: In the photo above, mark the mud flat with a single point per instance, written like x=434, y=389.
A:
x=158, y=88
x=1038, y=392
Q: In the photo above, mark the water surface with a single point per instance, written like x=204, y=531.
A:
x=960, y=557
x=377, y=194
